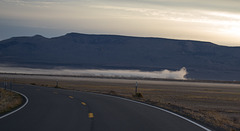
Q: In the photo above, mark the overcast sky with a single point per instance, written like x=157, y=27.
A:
x=216, y=21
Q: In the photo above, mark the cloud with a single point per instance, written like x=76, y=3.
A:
x=217, y=5
x=176, y=14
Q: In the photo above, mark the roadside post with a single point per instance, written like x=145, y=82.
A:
x=136, y=87
x=5, y=83
x=137, y=94
x=57, y=84
x=10, y=85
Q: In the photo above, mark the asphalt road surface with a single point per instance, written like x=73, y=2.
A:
x=50, y=109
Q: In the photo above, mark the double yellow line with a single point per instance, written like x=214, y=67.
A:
x=90, y=115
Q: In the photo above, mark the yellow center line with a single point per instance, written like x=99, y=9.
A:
x=83, y=103
x=90, y=115
x=71, y=97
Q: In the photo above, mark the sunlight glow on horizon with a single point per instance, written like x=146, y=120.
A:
x=124, y=18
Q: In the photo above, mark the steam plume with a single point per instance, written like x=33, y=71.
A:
x=166, y=74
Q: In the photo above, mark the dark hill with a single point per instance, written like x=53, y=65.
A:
x=203, y=60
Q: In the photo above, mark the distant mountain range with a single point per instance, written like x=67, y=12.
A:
x=203, y=60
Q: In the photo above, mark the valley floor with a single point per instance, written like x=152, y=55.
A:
x=214, y=104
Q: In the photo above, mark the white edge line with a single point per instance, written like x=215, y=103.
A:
x=184, y=118
x=18, y=108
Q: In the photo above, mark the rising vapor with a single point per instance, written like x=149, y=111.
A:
x=164, y=74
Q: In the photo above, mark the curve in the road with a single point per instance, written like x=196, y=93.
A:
x=158, y=109
x=58, y=109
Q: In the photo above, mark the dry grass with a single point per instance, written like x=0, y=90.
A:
x=9, y=100
x=216, y=104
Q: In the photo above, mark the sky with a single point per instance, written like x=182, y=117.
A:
x=216, y=21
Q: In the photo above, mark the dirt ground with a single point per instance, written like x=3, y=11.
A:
x=9, y=100
x=214, y=104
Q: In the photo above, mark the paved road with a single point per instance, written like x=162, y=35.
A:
x=52, y=109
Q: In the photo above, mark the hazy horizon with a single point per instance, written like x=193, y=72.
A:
x=215, y=21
